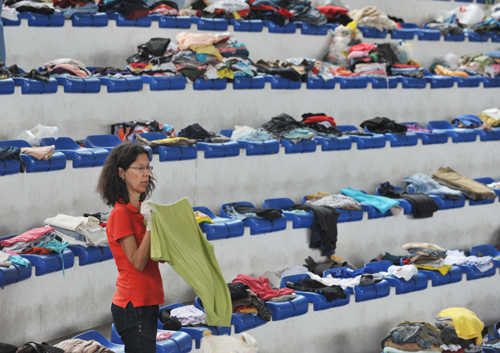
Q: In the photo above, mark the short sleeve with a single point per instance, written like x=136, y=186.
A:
x=119, y=225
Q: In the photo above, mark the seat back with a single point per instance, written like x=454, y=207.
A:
x=439, y=124
x=103, y=141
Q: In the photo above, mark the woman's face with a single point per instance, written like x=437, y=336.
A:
x=136, y=179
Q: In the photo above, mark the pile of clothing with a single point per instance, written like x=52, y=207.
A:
x=131, y=9
x=182, y=316
x=370, y=16
x=423, y=206
x=284, y=126
x=9, y=258
x=263, y=290
x=381, y=203
x=83, y=231
x=411, y=336
x=269, y=10
x=490, y=117
x=66, y=67
x=246, y=133
x=461, y=330
x=14, y=71
x=35, y=6
x=426, y=256
x=470, y=188
x=339, y=201
x=71, y=7
x=303, y=11
x=458, y=257
x=331, y=293
x=383, y=126
x=335, y=14
x=293, y=69
x=245, y=301
x=470, y=121
x=321, y=125
x=228, y=9
x=424, y=184
x=195, y=132
x=242, y=212
x=348, y=278
x=405, y=272
x=153, y=58
x=476, y=64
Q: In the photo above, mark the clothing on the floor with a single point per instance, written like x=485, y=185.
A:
x=176, y=238
x=425, y=335
x=423, y=206
x=426, y=185
x=470, y=188
x=324, y=228
x=331, y=293
x=467, y=324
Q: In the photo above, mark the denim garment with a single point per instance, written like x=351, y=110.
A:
x=426, y=185
x=136, y=327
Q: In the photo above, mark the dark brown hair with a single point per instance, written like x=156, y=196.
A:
x=110, y=186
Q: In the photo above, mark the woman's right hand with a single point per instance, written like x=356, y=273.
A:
x=147, y=211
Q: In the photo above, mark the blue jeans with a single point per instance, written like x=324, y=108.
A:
x=136, y=326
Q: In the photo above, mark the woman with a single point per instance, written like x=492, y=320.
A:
x=125, y=182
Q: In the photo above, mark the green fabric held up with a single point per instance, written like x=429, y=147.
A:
x=177, y=238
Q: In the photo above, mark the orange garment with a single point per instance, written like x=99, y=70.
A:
x=37, y=251
x=441, y=70
x=141, y=288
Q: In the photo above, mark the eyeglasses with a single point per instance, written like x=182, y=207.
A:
x=142, y=168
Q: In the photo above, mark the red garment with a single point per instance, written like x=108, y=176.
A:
x=407, y=261
x=141, y=288
x=331, y=11
x=320, y=118
x=37, y=251
x=134, y=15
x=283, y=12
x=362, y=47
x=261, y=287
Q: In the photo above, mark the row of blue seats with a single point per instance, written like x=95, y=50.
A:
x=223, y=227
x=407, y=32
x=97, y=147
x=135, y=84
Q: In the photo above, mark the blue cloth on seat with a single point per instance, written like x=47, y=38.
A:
x=469, y=120
x=254, y=136
x=426, y=185
x=493, y=54
x=381, y=203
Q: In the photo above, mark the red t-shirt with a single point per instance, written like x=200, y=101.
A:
x=141, y=288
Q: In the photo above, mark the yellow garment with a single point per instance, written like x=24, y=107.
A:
x=467, y=324
x=441, y=70
x=206, y=49
x=443, y=269
x=170, y=140
x=236, y=15
x=139, y=69
x=202, y=218
x=225, y=72
x=318, y=195
x=248, y=311
x=336, y=258
x=489, y=120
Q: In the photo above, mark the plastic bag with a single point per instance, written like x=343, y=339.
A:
x=39, y=132
x=403, y=51
x=242, y=343
x=338, y=49
x=466, y=15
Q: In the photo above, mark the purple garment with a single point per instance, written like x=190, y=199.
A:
x=415, y=128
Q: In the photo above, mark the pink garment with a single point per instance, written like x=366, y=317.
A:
x=40, y=153
x=358, y=54
x=10, y=252
x=261, y=287
x=165, y=335
x=415, y=128
x=30, y=235
x=71, y=68
x=187, y=39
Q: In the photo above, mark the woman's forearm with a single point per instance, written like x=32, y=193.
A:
x=141, y=255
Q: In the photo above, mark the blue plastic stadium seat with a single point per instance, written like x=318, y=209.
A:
x=378, y=82
x=416, y=283
x=180, y=342
x=210, y=24
x=88, y=20
x=249, y=82
x=247, y=25
x=319, y=83
x=285, y=204
x=454, y=275
x=406, y=205
x=491, y=82
x=473, y=273
x=81, y=157
x=41, y=20
x=31, y=86
x=106, y=253
x=118, y=85
x=7, y=22
x=257, y=226
x=457, y=135
x=172, y=21
x=289, y=308
x=460, y=37
x=56, y=162
x=87, y=255
x=484, y=202
x=489, y=180
x=201, y=84
x=222, y=228
x=51, y=262
x=196, y=333
x=407, y=32
x=430, y=138
x=363, y=142
x=164, y=83
x=422, y=34
x=309, y=29
x=255, y=148
x=412, y=82
x=371, y=32
x=14, y=273
x=437, y=81
x=275, y=28
x=341, y=143
x=219, y=150
x=352, y=82
x=241, y=322
x=303, y=146
x=79, y=85
x=486, y=250
x=344, y=215
x=108, y=142
x=374, y=213
x=170, y=153
x=121, y=21
x=318, y=300
x=398, y=140
x=98, y=337
x=494, y=36
x=476, y=37
x=9, y=166
x=278, y=82
x=7, y=86
x=368, y=292
x=471, y=81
